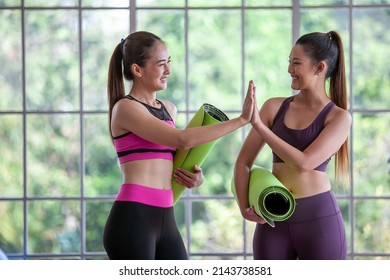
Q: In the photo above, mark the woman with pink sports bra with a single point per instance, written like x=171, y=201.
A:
x=141, y=224
x=304, y=131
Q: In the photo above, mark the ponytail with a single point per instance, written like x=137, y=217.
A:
x=338, y=94
x=115, y=85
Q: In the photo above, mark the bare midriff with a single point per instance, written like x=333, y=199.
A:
x=153, y=173
x=301, y=184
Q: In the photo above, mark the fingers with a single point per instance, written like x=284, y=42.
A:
x=247, y=109
x=252, y=88
x=251, y=211
x=252, y=216
x=187, y=178
x=182, y=174
x=251, y=92
x=197, y=169
x=182, y=179
x=256, y=113
x=254, y=91
x=188, y=174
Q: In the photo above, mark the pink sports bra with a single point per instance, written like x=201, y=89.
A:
x=129, y=146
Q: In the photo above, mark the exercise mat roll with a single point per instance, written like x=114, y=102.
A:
x=186, y=159
x=270, y=199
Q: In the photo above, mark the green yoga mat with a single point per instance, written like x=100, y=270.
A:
x=186, y=159
x=271, y=200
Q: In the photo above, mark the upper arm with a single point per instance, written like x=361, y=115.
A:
x=331, y=137
x=269, y=110
x=131, y=116
x=250, y=149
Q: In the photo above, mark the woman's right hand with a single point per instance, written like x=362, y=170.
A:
x=250, y=215
x=247, y=108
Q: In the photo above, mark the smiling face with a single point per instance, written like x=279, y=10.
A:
x=157, y=69
x=302, y=69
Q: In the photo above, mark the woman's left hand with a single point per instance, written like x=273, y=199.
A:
x=187, y=178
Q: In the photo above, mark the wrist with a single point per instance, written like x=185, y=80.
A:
x=258, y=125
x=244, y=209
x=242, y=120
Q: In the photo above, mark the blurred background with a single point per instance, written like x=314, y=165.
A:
x=58, y=169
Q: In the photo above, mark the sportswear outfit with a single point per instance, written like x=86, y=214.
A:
x=316, y=228
x=141, y=224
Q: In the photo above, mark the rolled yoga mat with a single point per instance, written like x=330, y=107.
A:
x=186, y=159
x=270, y=198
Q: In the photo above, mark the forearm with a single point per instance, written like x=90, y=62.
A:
x=241, y=183
x=289, y=154
x=242, y=177
x=194, y=136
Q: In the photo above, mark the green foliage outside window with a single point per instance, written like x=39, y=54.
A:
x=58, y=168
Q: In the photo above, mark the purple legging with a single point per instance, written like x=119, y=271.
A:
x=314, y=232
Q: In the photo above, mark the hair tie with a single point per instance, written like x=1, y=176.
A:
x=122, y=44
x=330, y=36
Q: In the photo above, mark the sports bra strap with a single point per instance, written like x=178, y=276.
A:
x=160, y=113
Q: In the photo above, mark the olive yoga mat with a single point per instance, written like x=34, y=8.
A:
x=271, y=200
x=186, y=159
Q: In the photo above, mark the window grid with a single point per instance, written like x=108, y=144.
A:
x=295, y=8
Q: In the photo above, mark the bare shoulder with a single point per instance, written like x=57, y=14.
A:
x=339, y=115
x=127, y=107
x=270, y=108
x=124, y=102
x=273, y=103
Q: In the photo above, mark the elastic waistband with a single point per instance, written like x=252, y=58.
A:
x=314, y=207
x=145, y=195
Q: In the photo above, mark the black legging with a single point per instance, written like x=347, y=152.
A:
x=136, y=231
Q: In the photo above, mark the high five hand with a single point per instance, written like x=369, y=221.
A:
x=247, y=108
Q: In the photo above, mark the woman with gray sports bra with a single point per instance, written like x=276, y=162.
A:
x=304, y=131
x=141, y=224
